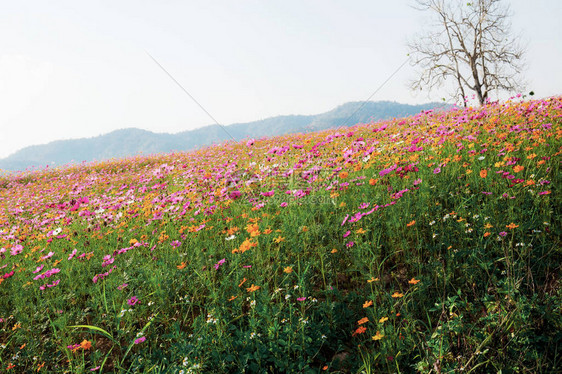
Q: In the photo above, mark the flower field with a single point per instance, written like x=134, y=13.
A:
x=425, y=244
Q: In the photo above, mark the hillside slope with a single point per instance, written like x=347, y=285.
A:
x=425, y=244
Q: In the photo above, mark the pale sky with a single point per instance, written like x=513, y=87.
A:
x=71, y=69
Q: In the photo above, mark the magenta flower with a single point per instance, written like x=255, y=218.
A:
x=140, y=340
x=347, y=234
x=133, y=300
x=301, y=298
x=218, y=264
x=175, y=243
x=436, y=170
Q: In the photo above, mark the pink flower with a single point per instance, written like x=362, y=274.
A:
x=347, y=234
x=122, y=286
x=301, y=298
x=133, y=300
x=175, y=243
x=140, y=340
x=218, y=264
x=436, y=170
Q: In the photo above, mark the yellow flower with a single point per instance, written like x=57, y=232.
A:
x=378, y=336
x=279, y=239
x=288, y=270
x=373, y=279
x=383, y=319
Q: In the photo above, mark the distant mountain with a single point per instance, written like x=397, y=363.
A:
x=132, y=141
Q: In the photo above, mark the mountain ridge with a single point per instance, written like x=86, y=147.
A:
x=133, y=141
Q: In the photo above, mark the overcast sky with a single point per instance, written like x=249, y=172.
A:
x=72, y=69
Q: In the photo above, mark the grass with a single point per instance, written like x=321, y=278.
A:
x=424, y=244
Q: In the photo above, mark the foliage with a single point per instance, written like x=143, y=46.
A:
x=425, y=244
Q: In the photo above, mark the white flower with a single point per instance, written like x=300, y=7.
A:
x=230, y=237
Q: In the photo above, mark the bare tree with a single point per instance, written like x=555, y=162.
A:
x=470, y=43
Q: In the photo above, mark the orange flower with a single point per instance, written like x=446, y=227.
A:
x=288, y=270
x=360, y=231
x=373, y=279
x=243, y=281
x=267, y=231
x=518, y=168
x=486, y=234
x=397, y=295
x=411, y=223
x=86, y=344
x=414, y=281
x=363, y=320
x=367, y=303
x=182, y=265
x=483, y=173
x=232, y=298
x=378, y=336
x=511, y=226
x=253, y=288
x=344, y=174
x=372, y=181
x=333, y=250
x=360, y=330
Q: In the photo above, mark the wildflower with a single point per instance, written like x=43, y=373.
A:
x=411, y=223
x=378, y=336
x=133, y=300
x=243, y=281
x=360, y=231
x=413, y=281
x=483, y=173
x=218, y=264
x=372, y=181
x=253, y=288
x=122, y=286
x=232, y=298
x=344, y=174
x=288, y=270
x=86, y=344
x=363, y=321
x=486, y=234
x=301, y=298
x=437, y=170
x=347, y=234
x=333, y=250
x=350, y=244
x=397, y=295
x=511, y=226
x=373, y=279
x=383, y=319
x=140, y=340
x=367, y=303
x=503, y=233
x=359, y=330
x=279, y=239
x=181, y=266
x=175, y=243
